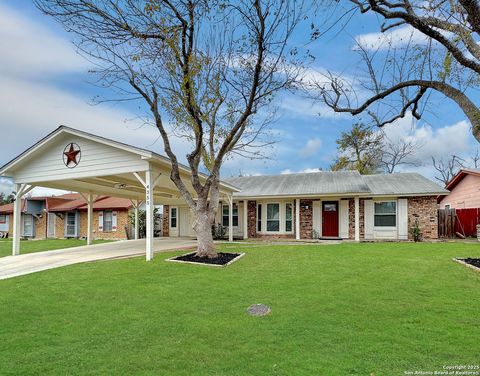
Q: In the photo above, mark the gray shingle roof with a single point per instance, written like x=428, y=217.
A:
x=324, y=182
x=402, y=184
x=331, y=183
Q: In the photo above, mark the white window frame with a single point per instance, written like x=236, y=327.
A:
x=385, y=228
x=260, y=206
x=235, y=205
x=105, y=228
x=176, y=217
x=279, y=218
x=285, y=217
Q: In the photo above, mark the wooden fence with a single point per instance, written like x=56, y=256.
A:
x=446, y=223
x=461, y=221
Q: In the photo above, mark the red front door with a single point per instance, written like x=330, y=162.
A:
x=330, y=218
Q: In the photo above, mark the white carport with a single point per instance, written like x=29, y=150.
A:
x=77, y=161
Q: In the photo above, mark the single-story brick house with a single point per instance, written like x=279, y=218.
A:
x=65, y=216
x=464, y=191
x=301, y=206
x=324, y=205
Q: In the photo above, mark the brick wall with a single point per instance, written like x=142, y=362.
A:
x=60, y=225
x=252, y=219
x=423, y=209
x=166, y=220
x=41, y=227
x=351, y=218
x=120, y=234
x=306, y=219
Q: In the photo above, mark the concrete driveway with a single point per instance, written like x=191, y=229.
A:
x=13, y=266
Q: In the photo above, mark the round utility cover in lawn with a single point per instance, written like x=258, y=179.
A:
x=258, y=310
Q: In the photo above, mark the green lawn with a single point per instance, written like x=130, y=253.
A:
x=30, y=246
x=350, y=309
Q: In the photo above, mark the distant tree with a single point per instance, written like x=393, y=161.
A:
x=359, y=149
x=449, y=167
x=395, y=153
x=6, y=199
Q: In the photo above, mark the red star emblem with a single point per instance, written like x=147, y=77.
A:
x=71, y=155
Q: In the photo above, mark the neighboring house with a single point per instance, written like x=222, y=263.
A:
x=65, y=216
x=306, y=206
x=464, y=191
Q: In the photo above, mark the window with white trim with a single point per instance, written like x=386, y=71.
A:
x=173, y=217
x=259, y=217
x=288, y=217
x=385, y=214
x=234, y=215
x=107, y=221
x=273, y=217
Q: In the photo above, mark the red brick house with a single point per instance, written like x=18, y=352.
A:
x=65, y=216
x=331, y=205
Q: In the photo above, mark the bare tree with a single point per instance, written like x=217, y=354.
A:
x=399, y=81
x=447, y=168
x=209, y=66
x=398, y=152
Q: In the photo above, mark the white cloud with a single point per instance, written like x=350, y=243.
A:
x=306, y=108
x=437, y=142
x=397, y=37
x=6, y=186
x=30, y=49
x=306, y=171
x=311, y=148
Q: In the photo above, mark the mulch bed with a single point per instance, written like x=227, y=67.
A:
x=472, y=261
x=222, y=259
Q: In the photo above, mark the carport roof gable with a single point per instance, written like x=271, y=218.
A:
x=143, y=153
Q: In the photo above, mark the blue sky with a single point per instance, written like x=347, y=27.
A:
x=44, y=83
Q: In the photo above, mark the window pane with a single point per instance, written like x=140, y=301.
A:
x=259, y=211
x=174, y=212
x=235, y=221
x=385, y=207
x=235, y=210
x=385, y=220
x=3, y=218
x=273, y=211
x=273, y=225
x=288, y=226
x=330, y=207
x=288, y=212
x=225, y=210
x=174, y=222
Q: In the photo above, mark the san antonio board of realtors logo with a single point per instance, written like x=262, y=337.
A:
x=72, y=155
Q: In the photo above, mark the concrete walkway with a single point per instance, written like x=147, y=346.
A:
x=13, y=266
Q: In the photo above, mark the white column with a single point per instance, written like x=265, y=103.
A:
x=230, y=218
x=297, y=219
x=357, y=219
x=245, y=219
x=17, y=214
x=149, y=214
x=137, y=230
x=90, y=219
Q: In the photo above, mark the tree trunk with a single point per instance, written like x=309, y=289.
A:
x=203, y=227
